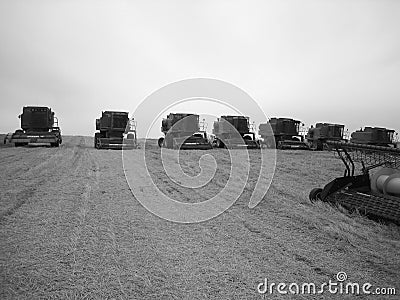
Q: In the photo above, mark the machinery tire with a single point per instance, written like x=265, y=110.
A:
x=315, y=194
x=326, y=147
x=97, y=143
x=218, y=143
x=161, y=142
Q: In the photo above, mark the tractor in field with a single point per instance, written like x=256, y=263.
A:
x=234, y=132
x=115, y=131
x=373, y=136
x=374, y=193
x=282, y=133
x=39, y=126
x=319, y=136
x=183, y=131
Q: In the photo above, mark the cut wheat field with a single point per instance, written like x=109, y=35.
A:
x=70, y=227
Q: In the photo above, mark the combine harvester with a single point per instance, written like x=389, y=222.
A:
x=115, y=131
x=375, y=194
x=282, y=133
x=234, y=132
x=39, y=127
x=319, y=136
x=374, y=136
x=183, y=131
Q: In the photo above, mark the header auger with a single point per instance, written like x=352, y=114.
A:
x=375, y=194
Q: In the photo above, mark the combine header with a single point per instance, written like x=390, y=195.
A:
x=116, y=131
x=183, y=131
x=375, y=194
x=39, y=127
x=319, y=136
x=373, y=136
x=282, y=133
x=234, y=132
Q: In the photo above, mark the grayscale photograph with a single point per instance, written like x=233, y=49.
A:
x=222, y=149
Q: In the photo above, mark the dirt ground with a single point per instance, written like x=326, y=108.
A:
x=71, y=228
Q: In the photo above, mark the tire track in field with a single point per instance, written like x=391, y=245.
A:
x=26, y=183
x=93, y=250
x=42, y=219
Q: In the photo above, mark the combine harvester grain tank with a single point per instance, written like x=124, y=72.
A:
x=234, y=132
x=319, y=136
x=115, y=131
x=282, y=133
x=184, y=131
x=39, y=127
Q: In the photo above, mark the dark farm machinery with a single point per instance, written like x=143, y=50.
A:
x=282, y=133
x=376, y=191
x=374, y=136
x=39, y=126
x=184, y=131
x=115, y=131
x=234, y=132
x=319, y=136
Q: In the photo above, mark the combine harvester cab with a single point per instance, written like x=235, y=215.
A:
x=319, y=136
x=39, y=127
x=234, y=132
x=374, y=136
x=282, y=133
x=183, y=131
x=376, y=194
x=115, y=131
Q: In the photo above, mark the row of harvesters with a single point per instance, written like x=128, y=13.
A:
x=374, y=193
x=40, y=127
x=115, y=130
x=285, y=133
x=185, y=131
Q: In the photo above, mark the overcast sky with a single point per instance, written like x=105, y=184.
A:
x=333, y=61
